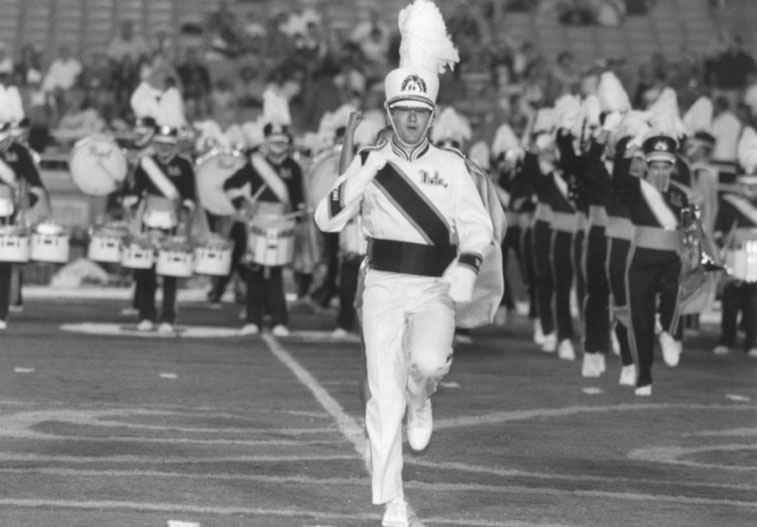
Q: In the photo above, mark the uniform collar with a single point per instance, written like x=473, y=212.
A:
x=419, y=150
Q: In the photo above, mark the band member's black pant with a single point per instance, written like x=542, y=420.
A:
x=542, y=234
x=511, y=241
x=238, y=236
x=529, y=268
x=617, y=253
x=596, y=303
x=738, y=297
x=650, y=272
x=562, y=277
x=265, y=294
x=328, y=289
x=577, y=258
x=348, y=277
x=147, y=284
x=6, y=272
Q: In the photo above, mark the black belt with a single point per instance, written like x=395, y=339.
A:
x=409, y=258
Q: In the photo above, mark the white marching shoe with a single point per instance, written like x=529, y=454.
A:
x=671, y=349
x=539, y=335
x=628, y=375
x=249, y=329
x=565, y=350
x=644, y=391
x=3, y=325
x=593, y=365
x=280, y=330
x=166, y=328
x=549, y=345
x=420, y=425
x=395, y=514
x=721, y=349
x=340, y=333
x=145, y=325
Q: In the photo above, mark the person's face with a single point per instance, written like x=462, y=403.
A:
x=165, y=151
x=659, y=173
x=410, y=123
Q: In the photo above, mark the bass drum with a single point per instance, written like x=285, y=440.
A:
x=212, y=171
x=98, y=165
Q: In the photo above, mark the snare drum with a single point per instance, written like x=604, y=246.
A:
x=49, y=243
x=14, y=245
x=742, y=261
x=175, y=258
x=270, y=240
x=98, y=165
x=105, y=244
x=213, y=257
x=137, y=252
x=213, y=169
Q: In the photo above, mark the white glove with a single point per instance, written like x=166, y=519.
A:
x=612, y=121
x=461, y=280
x=357, y=183
x=129, y=201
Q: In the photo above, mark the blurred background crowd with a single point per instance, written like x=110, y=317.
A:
x=223, y=59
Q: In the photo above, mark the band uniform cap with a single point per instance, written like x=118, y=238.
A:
x=166, y=134
x=411, y=88
x=660, y=148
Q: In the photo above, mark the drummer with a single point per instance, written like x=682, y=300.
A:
x=270, y=183
x=16, y=165
x=164, y=186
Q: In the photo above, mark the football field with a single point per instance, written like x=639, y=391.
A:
x=102, y=426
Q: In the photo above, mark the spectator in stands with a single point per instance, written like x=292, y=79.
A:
x=322, y=94
x=124, y=82
x=97, y=82
x=227, y=33
x=127, y=44
x=195, y=79
x=563, y=77
x=373, y=38
x=638, y=7
x=250, y=87
x=63, y=72
x=79, y=118
x=575, y=12
x=610, y=13
x=6, y=63
x=728, y=72
x=28, y=70
x=223, y=103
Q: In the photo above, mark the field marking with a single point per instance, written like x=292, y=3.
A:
x=7, y=457
x=347, y=425
x=673, y=454
x=130, y=330
x=517, y=473
x=524, y=415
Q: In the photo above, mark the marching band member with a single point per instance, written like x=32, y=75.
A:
x=653, y=266
x=699, y=148
x=627, y=162
x=427, y=229
x=274, y=180
x=533, y=161
x=164, y=186
x=736, y=225
x=518, y=198
x=552, y=188
x=18, y=174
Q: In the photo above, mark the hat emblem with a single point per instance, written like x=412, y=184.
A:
x=413, y=83
x=661, y=146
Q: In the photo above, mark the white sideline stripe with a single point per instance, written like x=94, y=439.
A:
x=304, y=480
x=167, y=441
x=518, y=489
x=522, y=415
x=673, y=455
x=347, y=425
x=516, y=473
x=152, y=460
x=19, y=369
x=182, y=508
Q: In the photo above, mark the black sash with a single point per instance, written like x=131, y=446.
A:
x=416, y=208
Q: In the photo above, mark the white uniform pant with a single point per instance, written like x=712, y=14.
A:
x=408, y=327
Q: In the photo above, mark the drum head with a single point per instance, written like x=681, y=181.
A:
x=321, y=177
x=212, y=172
x=98, y=165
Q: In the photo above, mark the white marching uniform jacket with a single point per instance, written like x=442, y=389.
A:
x=427, y=202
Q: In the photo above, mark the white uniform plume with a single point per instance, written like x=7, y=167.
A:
x=275, y=108
x=664, y=116
x=426, y=45
x=144, y=101
x=505, y=141
x=451, y=126
x=567, y=111
x=747, y=151
x=698, y=118
x=171, y=110
x=6, y=115
x=612, y=96
x=15, y=104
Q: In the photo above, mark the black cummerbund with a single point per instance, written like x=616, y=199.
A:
x=409, y=258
